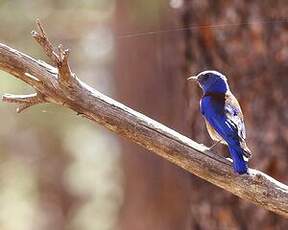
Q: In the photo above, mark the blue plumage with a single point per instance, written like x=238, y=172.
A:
x=223, y=117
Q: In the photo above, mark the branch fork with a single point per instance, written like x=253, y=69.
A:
x=59, y=58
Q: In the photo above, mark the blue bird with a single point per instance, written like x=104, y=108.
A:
x=223, y=117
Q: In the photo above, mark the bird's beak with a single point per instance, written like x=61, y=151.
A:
x=194, y=78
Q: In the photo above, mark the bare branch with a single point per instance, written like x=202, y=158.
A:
x=256, y=187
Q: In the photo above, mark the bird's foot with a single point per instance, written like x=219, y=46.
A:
x=229, y=159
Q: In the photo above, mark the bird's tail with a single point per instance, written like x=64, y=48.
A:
x=239, y=164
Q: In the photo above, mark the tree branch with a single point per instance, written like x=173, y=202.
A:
x=59, y=85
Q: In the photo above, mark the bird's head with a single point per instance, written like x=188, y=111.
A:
x=211, y=81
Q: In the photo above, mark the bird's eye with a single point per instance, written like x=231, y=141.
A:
x=204, y=77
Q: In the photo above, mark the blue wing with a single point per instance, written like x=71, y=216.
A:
x=214, y=111
x=234, y=115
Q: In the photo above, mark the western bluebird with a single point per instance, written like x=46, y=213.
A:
x=223, y=116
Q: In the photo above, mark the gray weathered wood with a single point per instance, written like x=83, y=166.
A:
x=256, y=187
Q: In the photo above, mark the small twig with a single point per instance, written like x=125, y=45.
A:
x=24, y=101
x=63, y=65
x=58, y=56
x=44, y=42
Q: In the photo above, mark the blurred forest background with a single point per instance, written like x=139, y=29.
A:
x=59, y=171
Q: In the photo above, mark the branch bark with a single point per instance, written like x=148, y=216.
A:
x=57, y=84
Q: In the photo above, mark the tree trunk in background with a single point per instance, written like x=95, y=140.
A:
x=149, y=78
